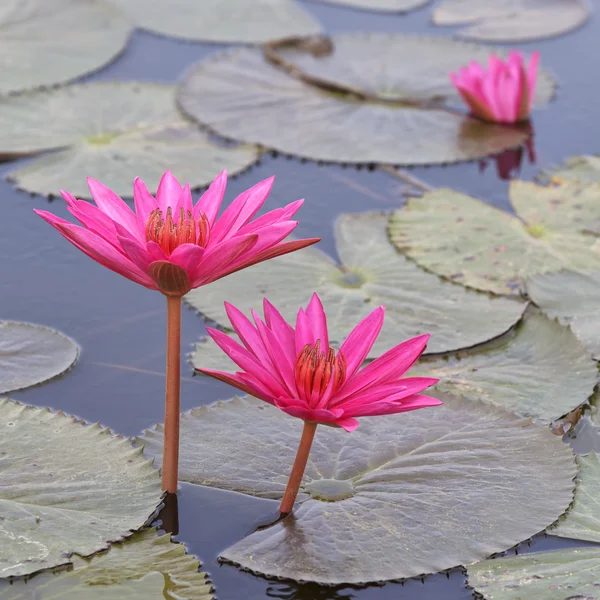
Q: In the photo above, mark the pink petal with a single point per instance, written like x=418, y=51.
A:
x=358, y=344
x=241, y=210
x=282, y=330
x=98, y=249
x=136, y=253
x=318, y=321
x=532, y=76
x=144, y=203
x=92, y=218
x=184, y=201
x=274, y=216
x=112, y=205
x=304, y=335
x=188, y=256
x=210, y=202
x=389, y=408
x=235, y=381
x=168, y=192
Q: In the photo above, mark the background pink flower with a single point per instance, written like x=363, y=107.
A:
x=171, y=244
x=297, y=371
x=504, y=92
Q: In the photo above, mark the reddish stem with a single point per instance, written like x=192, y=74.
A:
x=291, y=491
x=170, y=465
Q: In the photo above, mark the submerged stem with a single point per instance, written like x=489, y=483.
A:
x=170, y=465
x=291, y=491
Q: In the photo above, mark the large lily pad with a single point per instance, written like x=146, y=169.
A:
x=45, y=42
x=66, y=488
x=539, y=370
x=475, y=244
x=244, y=21
x=145, y=567
x=512, y=20
x=113, y=132
x=584, y=169
x=573, y=298
x=31, y=354
x=381, y=5
x=401, y=496
x=358, y=99
x=372, y=273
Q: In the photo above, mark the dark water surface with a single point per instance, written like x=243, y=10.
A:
x=119, y=379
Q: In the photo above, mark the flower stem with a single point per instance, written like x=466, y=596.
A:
x=291, y=491
x=170, y=465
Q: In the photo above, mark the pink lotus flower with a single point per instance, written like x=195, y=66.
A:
x=171, y=244
x=503, y=93
x=297, y=371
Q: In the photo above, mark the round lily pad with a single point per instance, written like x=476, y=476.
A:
x=479, y=246
x=584, y=169
x=573, y=298
x=401, y=496
x=371, y=274
x=353, y=98
x=113, y=132
x=31, y=354
x=46, y=42
x=512, y=20
x=67, y=487
x=381, y=5
x=143, y=567
x=243, y=21
x=539, y=370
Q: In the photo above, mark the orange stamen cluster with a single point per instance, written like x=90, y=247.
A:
x=169, y=234
x=315, y=369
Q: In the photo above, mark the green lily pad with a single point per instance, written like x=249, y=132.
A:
x=144, y=567
x=113, y=132
x=31, y=354
x=479, y=246
x=67, y=487
x=572, y=574
x=512, y=20
x=584, y=169
x=361, y=98
x=573, y=299
x=381, y=5
x=372, y=273
x=243, y=21
x=539, y=370
x=46, y=42
x=401, y=496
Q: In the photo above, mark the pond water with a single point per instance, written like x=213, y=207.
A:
x=119, y=379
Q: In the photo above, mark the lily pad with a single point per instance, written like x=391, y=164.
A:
x=67, y=487
x=372, y=273
x=145, y=567
x=381, y=5
x=401, y=496
x=243, y=21
x=512, y=20
x=46, y=42
x=114, y=132
x=584, y=169
x=479, y=246
x=573, y=298
x=572, y=574
x=351, y=98
x=539, y=370
x=31, y=354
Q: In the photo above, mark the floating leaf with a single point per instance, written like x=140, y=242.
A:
x=372, y=273
x=512, y=20
x=112, y=132
x=243, y=21
x=31, y=354
x=414, y=493
x=475, y=244
x=144, y=567
x=45, y=42
x=539, y=370
x=584, y=169
x=66, y=488
x=573, y=298
x=381, y=5
x=558, y=575
x=376, y=98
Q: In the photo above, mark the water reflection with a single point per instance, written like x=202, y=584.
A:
x=168, y=517
x=508, y=163
x=309, y=591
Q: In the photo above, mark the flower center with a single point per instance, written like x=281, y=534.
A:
x=169, y=234
x=314, y=371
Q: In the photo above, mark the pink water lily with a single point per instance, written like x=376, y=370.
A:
x=504, y=92
x=170, y=244
x=297, y=370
